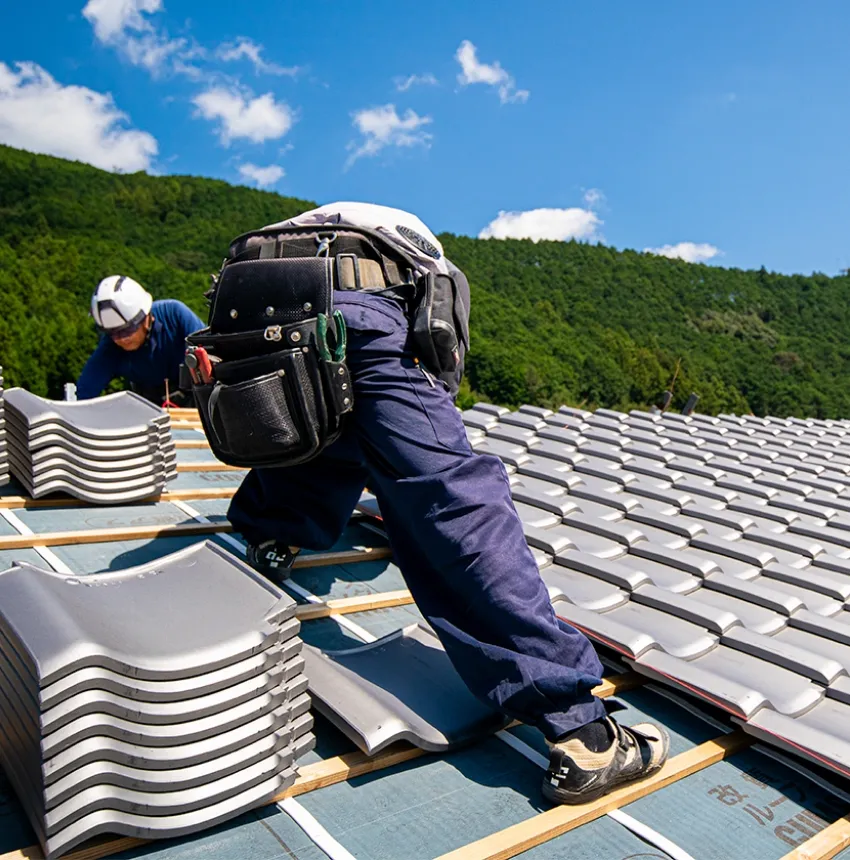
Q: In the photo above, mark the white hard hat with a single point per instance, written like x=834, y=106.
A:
x=119, y=303
x=402, y=228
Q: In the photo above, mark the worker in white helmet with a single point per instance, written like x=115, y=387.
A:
x=143, y=341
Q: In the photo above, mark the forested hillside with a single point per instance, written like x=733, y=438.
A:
x=552, y=322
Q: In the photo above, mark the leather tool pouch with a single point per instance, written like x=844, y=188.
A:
x=280, y=387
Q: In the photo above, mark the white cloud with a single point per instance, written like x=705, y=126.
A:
x=691, y=252
x=261, y=176
x=122, y=24
x=239, y=115
x=475, y=72
x=40, y=115
x=246, y=49
x=382, y=127
x=536, y=224
x=593, y=198
x=111, y=18
x=404, y=84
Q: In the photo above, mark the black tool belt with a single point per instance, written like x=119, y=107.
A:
x=279, y=387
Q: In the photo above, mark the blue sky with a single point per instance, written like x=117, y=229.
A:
x=714, y=131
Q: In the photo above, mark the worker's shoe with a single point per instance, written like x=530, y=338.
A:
x=596, y=758
x=272, y=559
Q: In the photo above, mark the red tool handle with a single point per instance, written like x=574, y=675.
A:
x=204, y=364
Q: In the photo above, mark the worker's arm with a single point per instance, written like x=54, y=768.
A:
x=98, y=372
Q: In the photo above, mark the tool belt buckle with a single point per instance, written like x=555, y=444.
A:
x=273, y=332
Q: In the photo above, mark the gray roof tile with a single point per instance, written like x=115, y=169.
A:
x=737, y=521
x=547, y=538
x=699, y=487
x=535, y=517
x=800, y=545
x=401, y=687
x=507, y=452
x=563, y=435
x=605, y=470
x=751, y=554
x=818, y=645
x=516, y=435
x=548, y=470
x=662, y=575
x=660, y=493
x=824, y=582
x=670, y=522
x=539, y=411
x=606, y=629
x=522, y=419
x=623, y=532
x=821, y=732
x=739, y=682
x=490, y=409
x=783, y=653
x=591, y=543
x=712, y=618
x=623, y=576
x=756, y=592
x=588, y=592
x=634, y=629
x=558, y=451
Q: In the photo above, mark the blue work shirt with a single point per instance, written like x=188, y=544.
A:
x=147, y=368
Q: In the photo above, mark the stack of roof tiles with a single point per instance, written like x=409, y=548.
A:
x=4, y=457
x=712, y=553
x=151, y=702
x=108, y=450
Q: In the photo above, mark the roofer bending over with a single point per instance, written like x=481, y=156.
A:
x=448, y=512
x=143, y=342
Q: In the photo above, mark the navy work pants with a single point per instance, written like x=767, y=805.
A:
x=451, y=522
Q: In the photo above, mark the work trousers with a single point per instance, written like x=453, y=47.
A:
x=452, y=525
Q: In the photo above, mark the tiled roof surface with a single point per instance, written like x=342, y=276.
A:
x=712, y=553
x=724, y=795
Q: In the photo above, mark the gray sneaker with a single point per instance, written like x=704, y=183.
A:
x=274, y=560
x=578, y=773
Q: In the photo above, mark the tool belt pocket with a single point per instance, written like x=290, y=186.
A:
x=276, y=409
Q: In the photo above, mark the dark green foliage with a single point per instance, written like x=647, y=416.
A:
x=552, y=322
x=556, y=322
x=64, y=226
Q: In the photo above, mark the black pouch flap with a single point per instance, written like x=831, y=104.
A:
x=255, y=294
x=249, y=344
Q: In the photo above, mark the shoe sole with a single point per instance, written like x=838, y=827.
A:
x=576, y=798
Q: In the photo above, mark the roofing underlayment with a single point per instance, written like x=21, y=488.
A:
x=708, y=555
